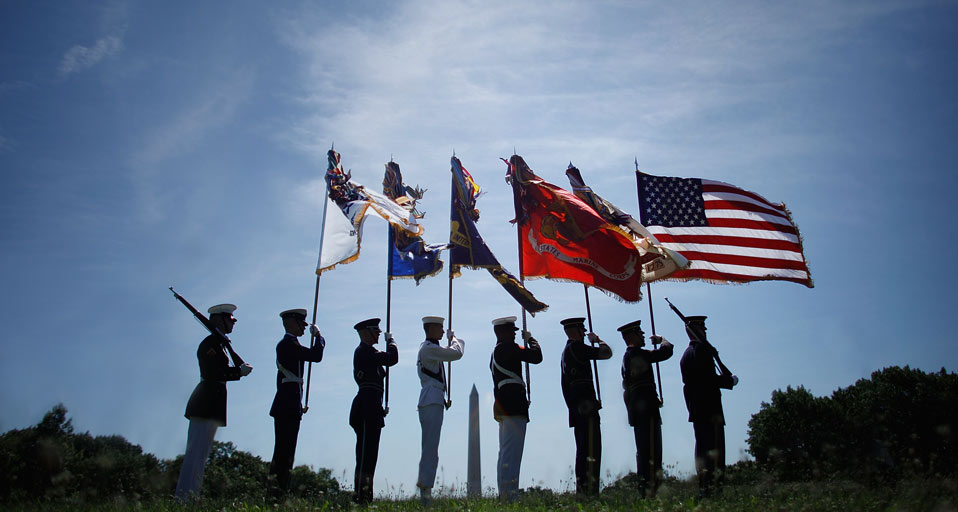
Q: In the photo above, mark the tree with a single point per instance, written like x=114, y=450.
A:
x=900, y=421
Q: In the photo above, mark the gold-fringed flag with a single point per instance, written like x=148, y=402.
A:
x=466, y=246
x=563, y=238
x=665, y=261
x=347, y=204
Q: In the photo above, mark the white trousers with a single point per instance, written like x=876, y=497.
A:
x=430, y=418
x=512, y=438
x=199, y=441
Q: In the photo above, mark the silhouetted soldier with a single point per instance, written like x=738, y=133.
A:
x=703, y=397
x=511, y=407
x=578, y=390
x=367, y=413
x=431, y=399
x=206, y=408
x=642, y=403
x=287, y=408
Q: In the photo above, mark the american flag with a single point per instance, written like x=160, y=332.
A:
x=728, y=234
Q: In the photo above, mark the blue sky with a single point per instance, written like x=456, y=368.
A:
x=145, y=145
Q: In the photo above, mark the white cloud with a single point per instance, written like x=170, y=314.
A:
x=80, y=58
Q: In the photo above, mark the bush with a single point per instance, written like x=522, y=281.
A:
x=50, y=463
x=900, y=422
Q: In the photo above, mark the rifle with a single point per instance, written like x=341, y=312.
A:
x=237, y=360
x=718, y=361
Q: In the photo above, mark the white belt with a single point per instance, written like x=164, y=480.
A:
x=513, y=378
x=288, y=376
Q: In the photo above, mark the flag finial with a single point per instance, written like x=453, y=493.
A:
x=636, y=164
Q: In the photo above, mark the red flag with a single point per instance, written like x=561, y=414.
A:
x=563, y=238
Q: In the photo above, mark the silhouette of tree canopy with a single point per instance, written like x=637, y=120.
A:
x=49, y=462
x=899, y=422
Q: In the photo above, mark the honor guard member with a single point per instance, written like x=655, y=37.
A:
x=432, y=377
x=578, y=390
x=642, y=403
x=287, y=408
x=703, y=397
x=206, y=409
x=511, y=408
x=367, y=413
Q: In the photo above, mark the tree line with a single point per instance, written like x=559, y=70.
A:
x=899, y=423
x=51, y=462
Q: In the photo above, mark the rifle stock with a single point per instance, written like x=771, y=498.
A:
x=718, y=361
x=237, y=360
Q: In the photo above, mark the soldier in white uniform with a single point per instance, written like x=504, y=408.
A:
x=431, y=399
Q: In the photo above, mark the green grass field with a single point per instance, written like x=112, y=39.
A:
x=938, y=495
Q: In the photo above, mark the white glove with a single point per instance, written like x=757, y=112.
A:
x=314, y=330
x=245, y=369
x=450, y=334
x=593, y=337
x=389, y=337
x=526, y=335
x=734, y=381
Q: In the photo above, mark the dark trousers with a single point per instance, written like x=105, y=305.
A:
x=588, y=455
x=648, y=454
x=367, y=454
x=709, y=456
x=284, y=450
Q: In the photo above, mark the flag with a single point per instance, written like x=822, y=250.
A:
x=410, y=256
x=728, y=234
x=563, y=238
x=466, y=247
x=347, y=203
x=665, y=260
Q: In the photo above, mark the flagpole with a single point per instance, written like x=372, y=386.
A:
x=389, y=288
x=522, y=279
x=312, y=341
x=595, y=367
x=452, y=191
x=658, y=372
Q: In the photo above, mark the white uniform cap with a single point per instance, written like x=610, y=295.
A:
x=504, y=320
x=222, y=308
x=432, y=320
x=298, y=312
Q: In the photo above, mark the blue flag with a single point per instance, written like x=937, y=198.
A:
x=410, y=255
x=466, y=247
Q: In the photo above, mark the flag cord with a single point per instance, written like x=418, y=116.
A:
x=658, y=371
x=595, y=367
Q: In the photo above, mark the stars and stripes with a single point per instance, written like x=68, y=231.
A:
x=728, y=234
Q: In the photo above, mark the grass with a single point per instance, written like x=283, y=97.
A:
x=919, y=494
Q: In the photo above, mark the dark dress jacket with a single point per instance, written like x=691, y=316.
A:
x=510, y=390
x=288, y=402
x=703, y=395
x=209, y=396
x=578, y=388
x=638, y=382
x=369, y=372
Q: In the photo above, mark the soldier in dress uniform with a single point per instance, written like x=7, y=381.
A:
x=642, y=403
x=511, y=407
x=367, y=413
x=287, y=408
x=578, y=390
x=703, y=397
x=432, y=377
x=206, y=408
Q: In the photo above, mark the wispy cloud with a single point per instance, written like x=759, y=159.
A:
x=80, y=58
